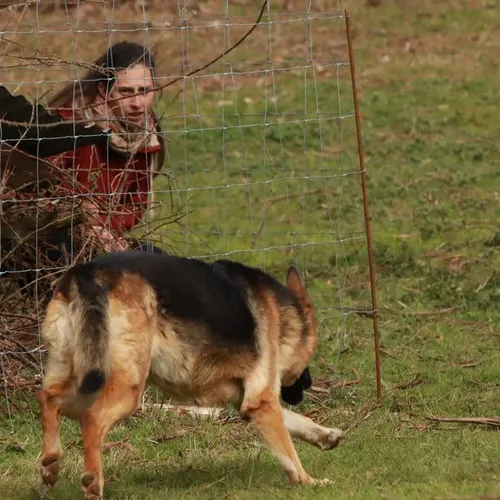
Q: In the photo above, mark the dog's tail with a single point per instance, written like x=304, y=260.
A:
x=91, y=326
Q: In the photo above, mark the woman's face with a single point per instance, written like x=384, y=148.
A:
x=135, y=82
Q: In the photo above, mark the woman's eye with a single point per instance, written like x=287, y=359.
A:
x=126, y=91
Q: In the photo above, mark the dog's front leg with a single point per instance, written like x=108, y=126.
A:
x=305, y=429
x=266, y=414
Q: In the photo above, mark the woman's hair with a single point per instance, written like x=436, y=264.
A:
x=118, y=57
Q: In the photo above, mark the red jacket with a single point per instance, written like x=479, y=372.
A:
x=102, y=172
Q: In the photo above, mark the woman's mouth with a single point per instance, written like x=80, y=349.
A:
x=136, y=116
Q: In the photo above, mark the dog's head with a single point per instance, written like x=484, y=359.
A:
x=299, y=377
x=294, y=394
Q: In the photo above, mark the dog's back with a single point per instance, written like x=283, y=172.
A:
x=184, y=289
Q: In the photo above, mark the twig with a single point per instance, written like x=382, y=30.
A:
x=113, y=444
x=20, y=316
x=333, y=385
x=367, y=410
x=412, y=383
x=315, y=388
x=493, y=422
x=446, y=310
x=205, y=486
x=467, y=364
x=345, y=383
x=168, y=437
x=21, y=346
x=388, y=353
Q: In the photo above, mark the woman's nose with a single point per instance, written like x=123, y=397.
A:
x=137, y=101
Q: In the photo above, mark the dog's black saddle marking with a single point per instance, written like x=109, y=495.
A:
x=186, y=288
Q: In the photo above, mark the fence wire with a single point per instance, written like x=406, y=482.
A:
x=259, y=159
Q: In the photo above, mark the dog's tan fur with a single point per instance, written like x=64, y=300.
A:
x=145, y=345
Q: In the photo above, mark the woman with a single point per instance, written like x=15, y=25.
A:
x=116, y=94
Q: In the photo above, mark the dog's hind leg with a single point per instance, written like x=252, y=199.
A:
x=306, y=430
x=50, y=409
x=132, y=322
x=266, y=415
x=118, y=400
x=56, y=388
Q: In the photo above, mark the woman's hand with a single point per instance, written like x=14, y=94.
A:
x=108, y=240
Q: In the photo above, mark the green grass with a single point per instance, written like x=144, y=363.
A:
x=430, y=132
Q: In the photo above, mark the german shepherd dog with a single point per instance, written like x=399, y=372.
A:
x=206, y=334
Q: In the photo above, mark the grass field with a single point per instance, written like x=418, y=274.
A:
x=278, y=185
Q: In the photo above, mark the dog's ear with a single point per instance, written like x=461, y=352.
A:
x=293, y=281
x=295, y=285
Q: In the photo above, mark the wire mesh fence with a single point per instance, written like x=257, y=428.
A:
x=252, y=158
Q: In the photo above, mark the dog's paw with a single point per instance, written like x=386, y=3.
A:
x=321, y=482
x=330, y=439
x=305, y=479
x=50, y=470
x=311, y=481
x=90, y=487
